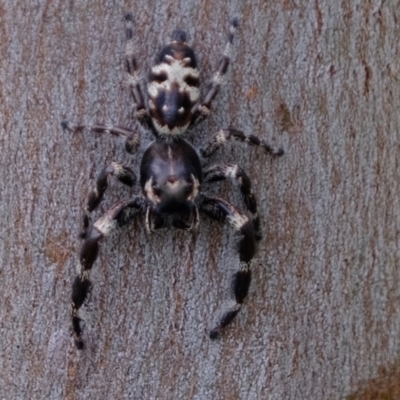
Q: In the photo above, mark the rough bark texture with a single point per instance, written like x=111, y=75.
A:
x=322, y=320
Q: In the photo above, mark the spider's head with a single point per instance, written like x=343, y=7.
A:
x=172, y=194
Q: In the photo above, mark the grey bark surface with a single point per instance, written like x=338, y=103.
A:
x=321, y=79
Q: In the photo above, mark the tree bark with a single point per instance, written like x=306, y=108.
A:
x=320, y=79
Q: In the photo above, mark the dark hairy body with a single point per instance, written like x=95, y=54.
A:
x=172, y=172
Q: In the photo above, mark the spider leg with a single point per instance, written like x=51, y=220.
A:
x=234, y=172
x=221, y=210
x=142, y=114
x=201, y=111
x=121, y=172
x=132, y=138
x=225, y=135
x=119, y=215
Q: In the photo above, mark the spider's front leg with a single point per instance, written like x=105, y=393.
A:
x=232, y=171
x=123, y=173
x=221, y=210
x=117, y=216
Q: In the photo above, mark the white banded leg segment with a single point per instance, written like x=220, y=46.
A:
x=235, y=173
x=118, y=215
x=80, y=289
x=132, y=74
x=222, y=67
x=222, y=210
x=132, y=138
x=227, y=135
x=122, y=173
x=203, y=110
x=240, y=287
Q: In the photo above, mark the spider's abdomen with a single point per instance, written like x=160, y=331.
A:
x=173, y=87
x=170, y=176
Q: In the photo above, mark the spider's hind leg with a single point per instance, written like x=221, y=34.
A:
x=202, y=110
x=142, y=114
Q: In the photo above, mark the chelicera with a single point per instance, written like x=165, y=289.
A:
x=171, y=171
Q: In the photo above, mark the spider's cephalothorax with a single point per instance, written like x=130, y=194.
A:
x=171, y=171
x=170, y=177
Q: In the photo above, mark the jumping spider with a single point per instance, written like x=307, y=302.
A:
x=171, y=171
